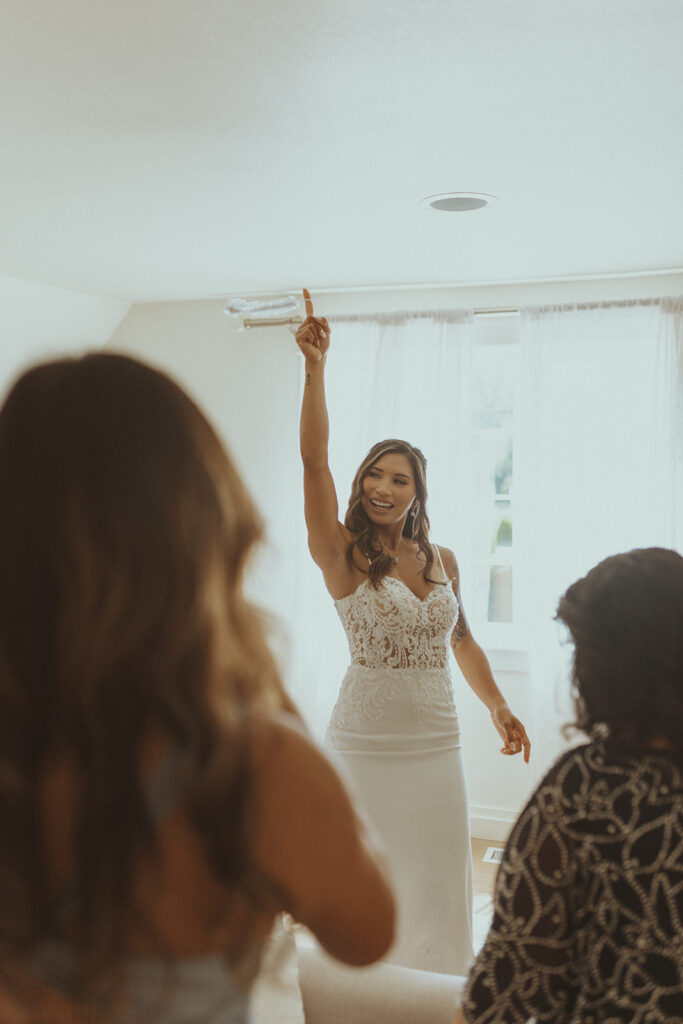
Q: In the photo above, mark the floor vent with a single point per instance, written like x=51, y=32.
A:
x=493, y=855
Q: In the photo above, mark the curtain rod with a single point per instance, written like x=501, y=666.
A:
x=497, y=311
x=491, y=311
x=276, y=321
x=286, y=321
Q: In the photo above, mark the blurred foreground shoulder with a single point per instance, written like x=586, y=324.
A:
x=310, y=842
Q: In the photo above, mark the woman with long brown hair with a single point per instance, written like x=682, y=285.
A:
x=161, y=802
x=395, y=724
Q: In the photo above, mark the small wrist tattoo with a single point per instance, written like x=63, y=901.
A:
x=308, y=378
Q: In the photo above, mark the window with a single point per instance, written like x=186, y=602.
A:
x=491, y=592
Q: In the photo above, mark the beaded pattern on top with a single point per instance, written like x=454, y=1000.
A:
x=588, y=923
x=392, y=628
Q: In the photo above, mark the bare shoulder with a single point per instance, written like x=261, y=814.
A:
x=310, y=844
x=450, y=563
x=277, y=739
x=290, y=771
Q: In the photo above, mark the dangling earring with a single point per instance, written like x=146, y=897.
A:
x=413, y=515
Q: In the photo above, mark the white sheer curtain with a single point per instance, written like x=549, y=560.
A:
x=403, y=376
x=599, y=468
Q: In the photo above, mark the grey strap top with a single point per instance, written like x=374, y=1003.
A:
x=192, y=990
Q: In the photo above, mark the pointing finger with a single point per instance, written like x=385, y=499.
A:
x=309, y=303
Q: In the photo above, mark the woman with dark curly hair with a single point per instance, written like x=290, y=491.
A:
x=395, y=724
x=588, y=923
x=160, y=801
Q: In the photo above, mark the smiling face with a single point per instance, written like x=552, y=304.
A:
x=388, y=489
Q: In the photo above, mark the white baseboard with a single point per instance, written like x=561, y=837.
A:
x=492, y=823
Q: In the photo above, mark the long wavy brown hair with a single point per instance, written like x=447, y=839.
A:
x=124, y=532
x=625, y=618
x=364, y=536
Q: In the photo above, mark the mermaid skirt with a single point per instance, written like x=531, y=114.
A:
x=396, y=737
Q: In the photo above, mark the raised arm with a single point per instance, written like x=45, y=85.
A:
x=326, y=536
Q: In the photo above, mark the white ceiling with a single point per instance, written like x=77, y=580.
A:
x=168, y=149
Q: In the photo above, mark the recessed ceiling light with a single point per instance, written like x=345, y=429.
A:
x=459, y=202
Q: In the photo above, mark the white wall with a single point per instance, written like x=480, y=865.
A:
x=39, y=321
x=248, y=383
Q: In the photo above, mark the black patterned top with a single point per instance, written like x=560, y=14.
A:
x=588, y=922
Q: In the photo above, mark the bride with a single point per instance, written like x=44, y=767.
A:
x=395, y=725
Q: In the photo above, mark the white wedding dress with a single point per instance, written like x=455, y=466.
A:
x=395, y=728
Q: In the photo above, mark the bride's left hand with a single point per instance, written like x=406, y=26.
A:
x=512, y=732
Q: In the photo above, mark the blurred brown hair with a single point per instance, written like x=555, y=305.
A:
x=124, y=531
x=626, y=620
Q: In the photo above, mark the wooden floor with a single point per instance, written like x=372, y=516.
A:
x=484, y=872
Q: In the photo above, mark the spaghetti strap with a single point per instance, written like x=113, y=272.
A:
x=445, y=578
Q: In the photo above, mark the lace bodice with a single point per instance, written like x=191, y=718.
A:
x=392, y=628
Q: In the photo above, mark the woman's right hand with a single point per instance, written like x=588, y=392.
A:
x=313, y=335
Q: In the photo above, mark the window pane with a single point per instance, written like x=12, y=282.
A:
x=503, y=467
x=486, y=519
x=477, y=596
x=500, y=594
x=491, y=498
x=502, y=537
x=492, y=461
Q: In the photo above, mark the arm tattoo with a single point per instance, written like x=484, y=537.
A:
x=460, y=631
x=308, y=378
